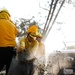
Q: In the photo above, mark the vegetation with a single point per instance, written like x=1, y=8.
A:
x=52, y=9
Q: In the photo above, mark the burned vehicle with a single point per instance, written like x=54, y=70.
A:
x=61, y=63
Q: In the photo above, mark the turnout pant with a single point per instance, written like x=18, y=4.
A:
x=6, y=54
x=21, y=68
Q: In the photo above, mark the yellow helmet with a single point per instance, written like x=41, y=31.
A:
x=33, y=29
x=5, y=10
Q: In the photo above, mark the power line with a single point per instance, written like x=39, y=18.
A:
x=49, y=23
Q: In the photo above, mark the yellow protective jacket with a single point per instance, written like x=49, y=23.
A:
x=41, y=50
x=30, y=48
x=8, y=31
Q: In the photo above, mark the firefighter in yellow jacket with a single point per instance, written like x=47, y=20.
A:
x=8, y=33
x=40, y=54
x=41, y=49
x=26, y=54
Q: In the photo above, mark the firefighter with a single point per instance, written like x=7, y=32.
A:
x=26, y=54
x=8, y=34
x=41, y=49
x=39, y=63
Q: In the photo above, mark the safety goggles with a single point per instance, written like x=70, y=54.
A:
x=32, y=35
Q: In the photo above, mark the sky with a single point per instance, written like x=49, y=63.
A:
x=20, y=8
x=29, y=8
x=67, y=32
